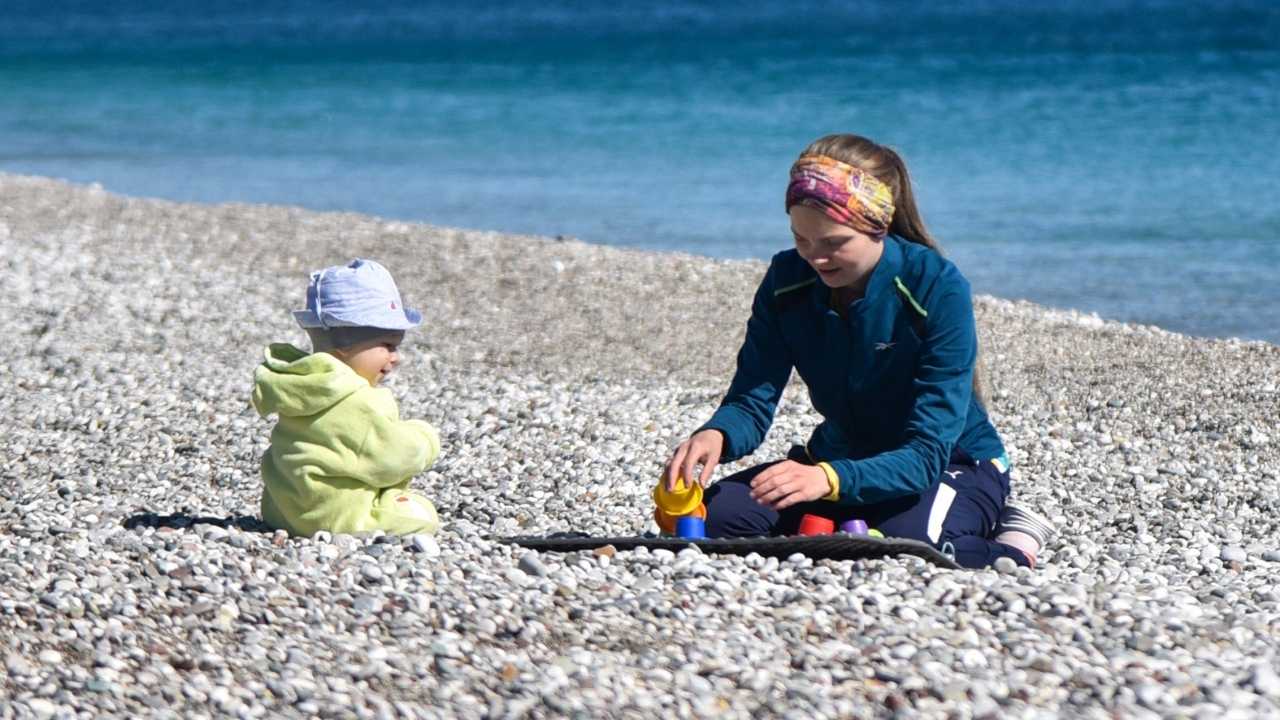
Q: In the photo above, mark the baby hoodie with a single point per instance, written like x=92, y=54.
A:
x=340, y=458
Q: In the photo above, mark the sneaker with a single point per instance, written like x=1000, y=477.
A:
x=1019, y=519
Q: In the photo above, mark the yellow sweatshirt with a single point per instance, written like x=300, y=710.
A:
x=340, y=458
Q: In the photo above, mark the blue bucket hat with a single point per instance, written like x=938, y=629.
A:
x=361, y=294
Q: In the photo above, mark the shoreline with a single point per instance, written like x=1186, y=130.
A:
x=131, y=582
x=408, y=228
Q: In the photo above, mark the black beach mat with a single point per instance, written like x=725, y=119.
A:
x=838, y=546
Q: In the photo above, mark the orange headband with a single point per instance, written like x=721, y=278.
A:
x=848, y=195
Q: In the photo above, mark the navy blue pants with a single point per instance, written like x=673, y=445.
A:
x=955, y=514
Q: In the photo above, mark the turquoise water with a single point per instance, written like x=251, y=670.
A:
x=1115, y=157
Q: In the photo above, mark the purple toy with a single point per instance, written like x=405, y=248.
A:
x=854, y=526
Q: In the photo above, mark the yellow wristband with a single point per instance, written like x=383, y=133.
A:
x=833, y=480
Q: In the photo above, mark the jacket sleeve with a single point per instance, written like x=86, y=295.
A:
x=393, y=450
x=943, y=386
x=764, y=367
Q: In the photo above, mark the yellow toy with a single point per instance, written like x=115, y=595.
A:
x=686, y=499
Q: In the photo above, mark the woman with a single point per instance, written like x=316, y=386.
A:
x=880, y=326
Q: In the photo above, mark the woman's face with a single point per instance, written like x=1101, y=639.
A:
x=842, y=256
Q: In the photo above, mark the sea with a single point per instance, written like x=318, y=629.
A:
x=1117, y=157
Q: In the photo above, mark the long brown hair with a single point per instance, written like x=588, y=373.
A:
x=887, y=166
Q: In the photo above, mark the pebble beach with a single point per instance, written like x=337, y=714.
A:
x=136, y=579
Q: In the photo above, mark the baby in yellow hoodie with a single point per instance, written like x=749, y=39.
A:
x=341, y=458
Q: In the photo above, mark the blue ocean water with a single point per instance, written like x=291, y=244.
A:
x=1115, y=157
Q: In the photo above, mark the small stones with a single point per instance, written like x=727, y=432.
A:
x=517, y=577
x=371, y=574
x=907, y=614
x=1005, y=565
x=366, y=604
x=1233, y=554
x=17, y=665
x=1151, y=695
x=973, y=659
x=905, y=651
x=41, y=708
x=532, y=565
x=346, y=543
x=212, y=533
x=136, y=577
x=182, y=661
x=955, y=692
x=1265, y=680
x=566, y=582
x=227, y=614
x=298, y=658
x=424, y=544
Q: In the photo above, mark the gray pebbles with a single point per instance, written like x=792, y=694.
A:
x=135, y=579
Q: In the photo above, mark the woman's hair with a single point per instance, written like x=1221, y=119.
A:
x=887, y=167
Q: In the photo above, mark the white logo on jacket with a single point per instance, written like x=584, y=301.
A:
x=885, y=345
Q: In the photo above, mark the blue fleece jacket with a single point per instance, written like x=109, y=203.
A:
x=893, y=380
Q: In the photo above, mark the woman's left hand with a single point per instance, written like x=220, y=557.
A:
x=789, y=482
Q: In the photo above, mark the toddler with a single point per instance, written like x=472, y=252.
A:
x=341, y=458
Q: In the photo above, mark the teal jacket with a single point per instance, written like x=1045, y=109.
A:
x=893, y=380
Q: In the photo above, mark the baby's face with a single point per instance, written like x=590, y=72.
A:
x=374, y=358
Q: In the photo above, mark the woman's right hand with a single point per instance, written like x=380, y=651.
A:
x=704, y=449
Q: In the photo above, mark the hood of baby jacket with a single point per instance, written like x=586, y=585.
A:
x=292, y=383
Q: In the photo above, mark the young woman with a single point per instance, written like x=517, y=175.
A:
x=880, y=326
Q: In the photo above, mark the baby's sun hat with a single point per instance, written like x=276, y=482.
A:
x=361, y=294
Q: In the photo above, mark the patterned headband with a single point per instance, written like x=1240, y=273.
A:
x=847, y=194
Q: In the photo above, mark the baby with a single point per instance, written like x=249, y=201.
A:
x=341, y=458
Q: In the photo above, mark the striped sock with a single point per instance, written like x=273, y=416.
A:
x=1016, y=519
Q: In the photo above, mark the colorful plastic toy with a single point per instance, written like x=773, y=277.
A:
x=691, y=527
x=682, y=501
x=816, y=525
x=685, y=500
x=875, y=533
x=856, y=526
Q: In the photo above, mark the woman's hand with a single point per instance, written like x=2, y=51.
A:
x=703, y=448
x=789, y=482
